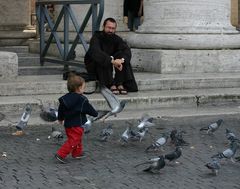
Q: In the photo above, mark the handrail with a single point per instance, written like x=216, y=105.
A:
x=66, y=15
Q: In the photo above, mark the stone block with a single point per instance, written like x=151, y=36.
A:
x=187, y=61
x=8, y=66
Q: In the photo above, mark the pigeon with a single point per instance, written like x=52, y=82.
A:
x=212, y=127
x=174, y=155
x=155, y=164
x=230, y=136
x=114, y=103
x=48, y=113
x=173, y=136
x=125, y=136
x=140, y=134
x=145, y=121
x=87, y=125
x=57, y=135
x=158, y=143
x=214, y=166
x=106, y=133
x=177, y=138
x=228, y=153
x=24, y=118
x=90, y=119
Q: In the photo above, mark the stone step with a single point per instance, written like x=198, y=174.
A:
x=40, y=70
x=162, y=114
x=54, y=84
x=142, y=100
x=16, y=49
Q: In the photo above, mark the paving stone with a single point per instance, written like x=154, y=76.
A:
x=30, y=163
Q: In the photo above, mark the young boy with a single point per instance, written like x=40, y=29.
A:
x=72, y=112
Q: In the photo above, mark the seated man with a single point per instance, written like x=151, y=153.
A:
x=108, y=51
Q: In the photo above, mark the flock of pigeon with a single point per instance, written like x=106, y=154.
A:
x=138, y=133
x=229, y=153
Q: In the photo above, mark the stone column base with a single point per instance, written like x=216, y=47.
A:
x=186, y=61
x=16, y=38
x=8, y=66
x=184, y=41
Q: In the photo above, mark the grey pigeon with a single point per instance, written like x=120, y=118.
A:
x=125, y=136
x=212, y=127
x=106, y=133
x=24, y=118
x=57, y=135
x=174, y=155
x=88, y=125
x=173, y=135
x=214, y=165
x=90, y=119
x=231, y=137
x=145, y=122
x=48, y=113
x=140, y=134
x=228, y=153
x=114, y=103
x=177, y=138
x=158, y=143
x=156, y=164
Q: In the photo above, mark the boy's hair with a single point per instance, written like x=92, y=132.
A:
x=74, y=82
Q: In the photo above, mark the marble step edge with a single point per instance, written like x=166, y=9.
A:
x=54, y=84
x=160, y=114
x=136, y=101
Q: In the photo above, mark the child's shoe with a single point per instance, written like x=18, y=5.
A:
x=83, y=155
x=60, y=159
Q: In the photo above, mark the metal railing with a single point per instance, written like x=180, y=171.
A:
x=66, y=15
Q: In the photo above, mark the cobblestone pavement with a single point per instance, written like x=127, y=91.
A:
x=30, y=163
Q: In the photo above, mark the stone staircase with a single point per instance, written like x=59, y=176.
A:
x=161, y=95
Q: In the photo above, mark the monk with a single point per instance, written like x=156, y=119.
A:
x=109, y=58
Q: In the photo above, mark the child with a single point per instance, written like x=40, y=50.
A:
x=72, y=112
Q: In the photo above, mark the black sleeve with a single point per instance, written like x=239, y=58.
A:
x=61, y=109
x=123, y=50
x=97, y=54
x=88, y=109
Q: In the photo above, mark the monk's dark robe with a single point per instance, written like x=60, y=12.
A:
x=98, y=60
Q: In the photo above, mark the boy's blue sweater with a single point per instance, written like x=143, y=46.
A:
x=73, y=108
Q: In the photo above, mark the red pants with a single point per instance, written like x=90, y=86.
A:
x=73, y=144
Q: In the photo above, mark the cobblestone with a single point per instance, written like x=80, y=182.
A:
x=109, y=165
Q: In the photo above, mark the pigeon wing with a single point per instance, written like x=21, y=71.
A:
x=111, y=99
x=146, y=117
x=101, y=114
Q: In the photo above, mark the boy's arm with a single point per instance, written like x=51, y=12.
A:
x=60, y=112
x=88, y=109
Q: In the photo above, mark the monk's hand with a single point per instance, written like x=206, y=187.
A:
x=118, y=64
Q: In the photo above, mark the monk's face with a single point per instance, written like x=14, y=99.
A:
x=110, y=27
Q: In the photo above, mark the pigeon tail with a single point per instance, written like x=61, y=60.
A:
x=149, y=169
x=204, y=129
x=219, y=156
x=149, y=147
x=237, y=158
